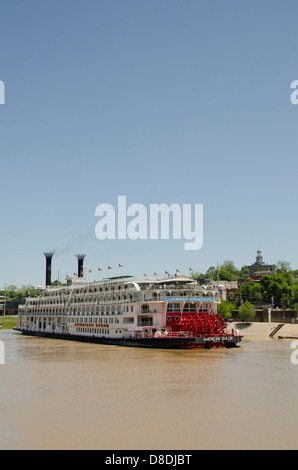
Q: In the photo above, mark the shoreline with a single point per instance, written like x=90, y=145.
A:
x=261, y=330
x=252, y=331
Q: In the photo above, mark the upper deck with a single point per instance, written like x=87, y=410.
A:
x=119, y=291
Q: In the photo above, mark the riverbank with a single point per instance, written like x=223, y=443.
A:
x=261, y=330
x=8, y=322
x=250, y=331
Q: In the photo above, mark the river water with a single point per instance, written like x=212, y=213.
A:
x=70, y=395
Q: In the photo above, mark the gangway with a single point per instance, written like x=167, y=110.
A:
x=276, y=329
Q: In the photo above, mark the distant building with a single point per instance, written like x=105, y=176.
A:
x=10, y=306
x=257, y=275
x=259, y=265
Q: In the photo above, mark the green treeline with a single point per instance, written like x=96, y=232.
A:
x=13, y=293
x=278, y=288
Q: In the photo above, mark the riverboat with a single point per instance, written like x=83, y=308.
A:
x=170, y=313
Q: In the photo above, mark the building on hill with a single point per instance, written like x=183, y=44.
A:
x=257, y=275
x=260, y=266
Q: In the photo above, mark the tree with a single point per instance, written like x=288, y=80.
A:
x=228, y=272
x=251, y=291
x=245, y=273
x=283, y=266
x=280, y=287
x=247, y=311
x=25, y=291
x=295, y=300
x=225, y=309
x=211, y=273
x=196, y=275
x=57, y=283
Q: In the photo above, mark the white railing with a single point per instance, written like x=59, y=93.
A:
x=161, y=334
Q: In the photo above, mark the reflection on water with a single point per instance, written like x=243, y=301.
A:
x=68, y=395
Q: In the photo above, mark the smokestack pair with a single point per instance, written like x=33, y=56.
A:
x=49, y=256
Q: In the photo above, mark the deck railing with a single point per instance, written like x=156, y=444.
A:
x=159, y=334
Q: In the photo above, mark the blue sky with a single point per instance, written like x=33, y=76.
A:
x=167, y=101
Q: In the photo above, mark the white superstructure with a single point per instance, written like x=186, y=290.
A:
x=115, y=308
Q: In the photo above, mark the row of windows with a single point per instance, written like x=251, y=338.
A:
x=100, y=331
x=79, y=310
x=79, y=299
x=90, y=290
x=112, y=309
x=173, y=307
x=99, y=320
x=188, y=307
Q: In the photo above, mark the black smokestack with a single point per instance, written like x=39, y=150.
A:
x=49, y=257
x=80, y=264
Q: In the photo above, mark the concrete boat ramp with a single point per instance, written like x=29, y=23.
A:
x=261, y=330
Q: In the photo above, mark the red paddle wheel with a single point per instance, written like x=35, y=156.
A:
x=201, y=324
